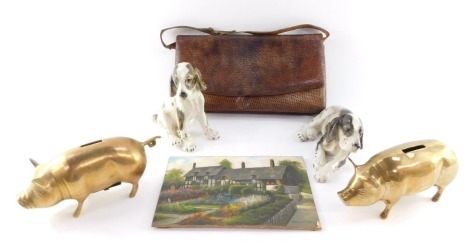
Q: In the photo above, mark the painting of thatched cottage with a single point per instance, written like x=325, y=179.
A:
x=260, y=178
x=236, y=192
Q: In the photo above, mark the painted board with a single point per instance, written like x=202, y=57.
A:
x=236, y=192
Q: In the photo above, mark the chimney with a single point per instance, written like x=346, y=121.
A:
x=271, y=163
x=243, y=165
x=194, y=165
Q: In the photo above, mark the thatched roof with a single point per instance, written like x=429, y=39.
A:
x=202, y=171
x=276, y=172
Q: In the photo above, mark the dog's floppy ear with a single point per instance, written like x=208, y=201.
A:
x=331, y=131
x=347, y=124
x=198, y=78
x=173, y=87
x=344, y=122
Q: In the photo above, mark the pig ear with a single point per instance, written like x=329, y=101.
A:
x=354, y=164
x=40, y=182
x=45, y=181
x=34, y=162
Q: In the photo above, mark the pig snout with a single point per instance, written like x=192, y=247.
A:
x=346, y=195
x=24, y=201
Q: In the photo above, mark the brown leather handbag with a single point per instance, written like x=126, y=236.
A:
x=257, y=72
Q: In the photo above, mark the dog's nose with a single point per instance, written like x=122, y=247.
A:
x=358, y=146
x=183, y=95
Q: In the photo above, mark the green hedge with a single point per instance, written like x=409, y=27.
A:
x=237, y=189
x=247, y=191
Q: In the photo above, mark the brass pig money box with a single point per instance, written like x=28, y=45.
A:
x=402, y=170
x=92, y=167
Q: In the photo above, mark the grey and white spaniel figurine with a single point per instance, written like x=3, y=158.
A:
x=340, y=133
x=185, y=104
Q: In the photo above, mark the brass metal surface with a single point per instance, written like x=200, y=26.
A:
x=92, y=167
x=401, y=170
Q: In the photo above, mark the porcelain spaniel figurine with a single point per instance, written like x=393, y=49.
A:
x=185, y=104
x=340, y=133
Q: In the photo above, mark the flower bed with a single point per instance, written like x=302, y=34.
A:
x=200, y=219
x=242, y=204
x=257, y=216
x=180, y=195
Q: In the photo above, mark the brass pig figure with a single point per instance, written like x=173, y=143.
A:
x=90, y=168
x=402, y=170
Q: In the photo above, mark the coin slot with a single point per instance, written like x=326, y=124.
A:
x=410, y=149
x=95, y=142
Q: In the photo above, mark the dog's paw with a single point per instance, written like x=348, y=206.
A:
x=320, y=178
x=302, y=137
x=212, y=134
x=189, y=147
x=307, y=134
x=317, y=166
x=175, y=140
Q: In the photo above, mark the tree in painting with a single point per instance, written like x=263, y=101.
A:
x=173, y=179
x=226, y=163
x=304, y=185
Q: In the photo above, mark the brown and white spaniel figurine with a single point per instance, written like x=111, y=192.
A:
x=340, y=133
x=185, y=104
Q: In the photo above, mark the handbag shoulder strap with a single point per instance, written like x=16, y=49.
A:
x=211, y=31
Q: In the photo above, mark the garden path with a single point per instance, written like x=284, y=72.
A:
x=176, y=218
x=304, y=215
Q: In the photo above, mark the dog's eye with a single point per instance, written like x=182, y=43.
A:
x=189, y=82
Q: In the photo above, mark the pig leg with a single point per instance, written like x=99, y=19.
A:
x=135, y=186
x=388, y=205
x=438, y=194
x=79, y=208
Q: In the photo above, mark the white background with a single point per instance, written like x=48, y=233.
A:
x=75, y=71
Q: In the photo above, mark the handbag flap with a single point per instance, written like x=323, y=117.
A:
x=246, y=65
